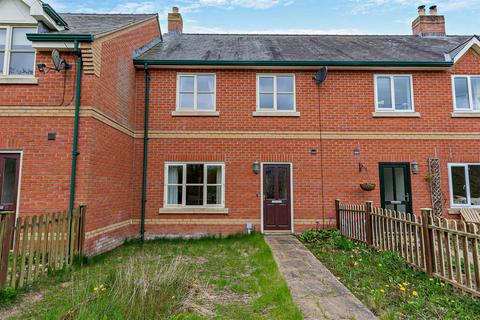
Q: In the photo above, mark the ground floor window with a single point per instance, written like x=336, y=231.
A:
x=194, y=184
x=464, y=184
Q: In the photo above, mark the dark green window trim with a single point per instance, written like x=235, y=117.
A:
x=297, y=63
x=54, y=15
x=60, y=37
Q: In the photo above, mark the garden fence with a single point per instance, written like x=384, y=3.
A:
x=446, y=249
x=35, y=245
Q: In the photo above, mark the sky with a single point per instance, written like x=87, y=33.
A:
x=290, y=16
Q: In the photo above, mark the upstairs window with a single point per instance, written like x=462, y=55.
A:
x=464, y=184
x=196, y=92
x=466, y=93
x=275, y=92
x=393, y=93
x=194, y=185
x=17, y=56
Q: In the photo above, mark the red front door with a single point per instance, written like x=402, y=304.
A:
x=276, y=197
x=9, y=170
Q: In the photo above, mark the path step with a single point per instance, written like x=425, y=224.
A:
x=316, y=291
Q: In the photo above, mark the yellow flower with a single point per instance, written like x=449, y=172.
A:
x=351, y=256
x=431, y=279
x=402, y=289
x=95, y=289
x=355, y=263
x=382, y=291
x=414, y=293
x=360, y=259
x=405, y=284
x=442, y=284
x=379, y=264
x=387, y=286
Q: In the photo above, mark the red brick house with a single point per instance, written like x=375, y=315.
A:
x=239, y=131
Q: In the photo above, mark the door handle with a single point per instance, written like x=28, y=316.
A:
x=277, y=201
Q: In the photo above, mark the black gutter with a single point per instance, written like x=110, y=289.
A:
x=145, y=153
x=296, y=63
x=60, y=37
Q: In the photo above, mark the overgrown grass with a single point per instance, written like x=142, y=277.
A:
x=386, y=284
x=232, y=278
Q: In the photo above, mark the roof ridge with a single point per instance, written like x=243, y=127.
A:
x=110, y=14
x=318, y=34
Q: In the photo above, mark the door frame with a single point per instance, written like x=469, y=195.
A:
x=19, y=186
x=291, y=193
x=408, y=178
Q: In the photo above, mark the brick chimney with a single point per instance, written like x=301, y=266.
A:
x=175, y=21
x=431, y=25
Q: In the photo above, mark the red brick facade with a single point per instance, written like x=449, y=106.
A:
x=335, y=119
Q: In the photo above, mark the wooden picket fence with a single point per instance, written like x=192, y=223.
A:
x=40, y=244
x=446, y=249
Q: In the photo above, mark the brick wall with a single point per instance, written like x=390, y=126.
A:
x=346, y=102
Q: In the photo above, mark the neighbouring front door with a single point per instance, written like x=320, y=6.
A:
x=276, y=197
x=9, y=169
x=395, y=186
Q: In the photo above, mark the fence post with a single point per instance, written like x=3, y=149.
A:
x=428, y=241
x=7, y=224
x=337, y=213
x=368, y=222
x=81, y=230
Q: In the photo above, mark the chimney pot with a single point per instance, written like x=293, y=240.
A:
x=431, y=25
x=421, y=10
x=175, y=21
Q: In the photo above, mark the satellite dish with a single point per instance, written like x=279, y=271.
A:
x=321, y=75
x=57, y=61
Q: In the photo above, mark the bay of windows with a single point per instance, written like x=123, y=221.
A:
x=194, y=184
x=466, y=92
x=393, y=93
x=464, y=184
x=17, y=56
x=276, y=92
x=196, y=92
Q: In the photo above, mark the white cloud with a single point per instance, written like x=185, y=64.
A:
x=136, y=7
x=366, y=6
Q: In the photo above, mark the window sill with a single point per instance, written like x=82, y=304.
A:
x=18, y=80
x=276, y=114
x=195, y=113
x=395, y=114
x=466, y=114
x=183, y=210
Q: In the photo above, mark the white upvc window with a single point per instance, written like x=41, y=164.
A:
x=393, y=93
x=464, y=179
x=17, y=56
x=194, y=184
x=276, y=92
x=196, y=92
x=466, y=93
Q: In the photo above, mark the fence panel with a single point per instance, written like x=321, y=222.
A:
x=42, y=243
x=443, y=248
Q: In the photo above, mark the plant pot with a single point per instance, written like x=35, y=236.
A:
x=368, y=186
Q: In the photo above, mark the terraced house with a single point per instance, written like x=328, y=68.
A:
x=189, y=134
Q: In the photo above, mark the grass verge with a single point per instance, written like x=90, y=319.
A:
x=231, y=278
x=385, y=283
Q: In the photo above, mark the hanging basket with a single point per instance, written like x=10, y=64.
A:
x=368, y=186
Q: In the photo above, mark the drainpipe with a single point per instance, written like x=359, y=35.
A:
x=75, y=127
x=145, y=153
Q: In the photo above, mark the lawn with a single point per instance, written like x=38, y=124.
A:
x=231, y=278
x=385, y=283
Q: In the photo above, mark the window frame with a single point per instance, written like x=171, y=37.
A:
x=184, y=184
x=275, y=92
x=195, y=91
x=470, y=92
x=392, y=92
x=8, y=51
x=465, y=165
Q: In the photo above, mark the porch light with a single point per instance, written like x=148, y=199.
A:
x=256, y=167
x=415, y=167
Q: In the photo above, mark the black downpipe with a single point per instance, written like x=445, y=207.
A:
x=145, y=153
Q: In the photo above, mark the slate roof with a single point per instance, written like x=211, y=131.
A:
x=96, y=24
x=278, y=48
